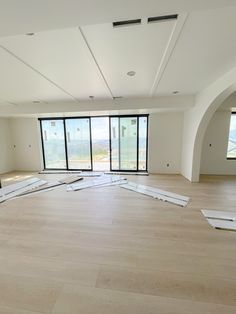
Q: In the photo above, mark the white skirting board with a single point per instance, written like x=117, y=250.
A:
x=26, y=186
x=157, y=193
x=52, y=185
x=81, y=174
x=217, y=214
x=104, y=180
x=91, y=174
x=16, y=186
x=224, y=220
x=222, y=224
x=123, y=181
x=49, y=186
x=60, y=172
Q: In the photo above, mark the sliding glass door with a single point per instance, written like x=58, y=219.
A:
x=53, y=139
x=78, y=143
x=116, y=143
x=100, y=143
x=128, y=143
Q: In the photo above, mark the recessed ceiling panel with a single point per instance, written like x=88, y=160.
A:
x=20, y=84
x=63, y=57
x=134, y=48
x=205, y=51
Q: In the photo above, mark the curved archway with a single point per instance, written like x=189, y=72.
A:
x=197, y=119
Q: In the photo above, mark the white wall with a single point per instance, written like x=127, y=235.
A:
x=165, y=142
x=214, y=150
x=26, y=144
x=6, y=156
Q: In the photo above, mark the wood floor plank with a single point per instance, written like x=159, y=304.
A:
x=10, y=310
x=28, y=293
x=53, y=269
x=169, y=284
x=75, y=299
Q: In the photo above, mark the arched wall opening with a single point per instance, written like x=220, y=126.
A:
x=216, y=141
x=197, y=119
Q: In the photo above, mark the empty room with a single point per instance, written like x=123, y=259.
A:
x=118, y=157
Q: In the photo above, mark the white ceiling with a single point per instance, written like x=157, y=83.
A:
x=19, y=17
x=79, y=54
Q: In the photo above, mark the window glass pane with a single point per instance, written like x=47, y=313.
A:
x=142, y=143
x=100, y=142
x=78, y=143
x=128, y=143
x=115, y=143
x=231, y=153
x=54, y=144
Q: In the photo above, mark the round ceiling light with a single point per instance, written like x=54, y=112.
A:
x=131, y=73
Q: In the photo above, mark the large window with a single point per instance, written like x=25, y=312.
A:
x=129, y=143
x=78, y=143
x=54, y=144
x=116, y=143
x=231, y=153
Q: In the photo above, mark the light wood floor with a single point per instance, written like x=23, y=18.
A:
x=112, y=251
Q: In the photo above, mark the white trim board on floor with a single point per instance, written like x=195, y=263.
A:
x=157, y=193
x=222, y=224
x=217, y=214
x=127, y=173
x=81, y=174
x=16, y=186
x=23, y=189
x=52, y=185
x=59, y=171
x=122, y=181
x=106, y=179
x=48, y=186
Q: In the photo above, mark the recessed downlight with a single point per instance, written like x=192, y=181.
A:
x=131, y=73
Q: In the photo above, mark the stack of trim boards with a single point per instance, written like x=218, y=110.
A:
x=16, y=189
x=110, y=180
x=220, y=219
x=31, y=186
x=105, y=180
x=157, y=193
x=82, y=174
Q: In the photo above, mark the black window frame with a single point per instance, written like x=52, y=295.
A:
x=230, y=158
x=91, y=151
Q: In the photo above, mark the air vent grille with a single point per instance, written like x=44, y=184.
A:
x=126, y=23
x=162, y=18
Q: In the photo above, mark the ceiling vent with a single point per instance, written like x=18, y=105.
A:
x=126, y=23
x=162, y=18
x=117, y=97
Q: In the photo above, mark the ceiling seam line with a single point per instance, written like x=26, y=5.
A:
x=160, y=71
x=38, y=72
x=95, y=60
